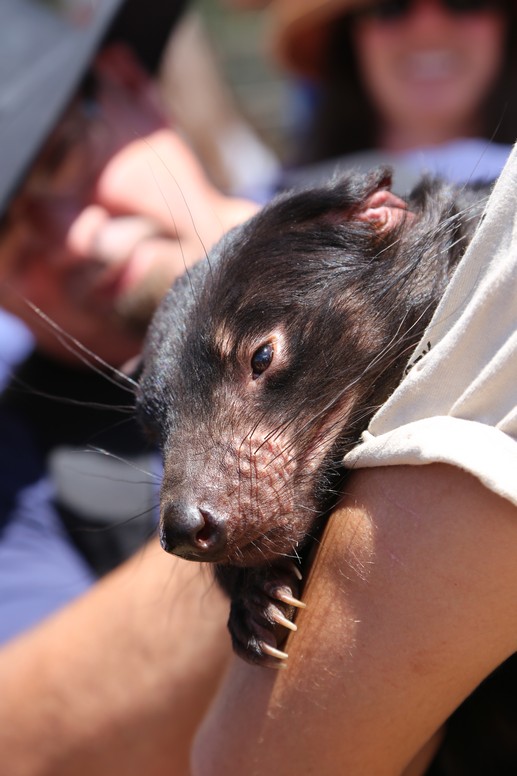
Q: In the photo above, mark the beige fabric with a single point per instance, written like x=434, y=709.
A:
x=458, y=404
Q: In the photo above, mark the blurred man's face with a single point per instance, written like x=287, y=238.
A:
x=110, y=214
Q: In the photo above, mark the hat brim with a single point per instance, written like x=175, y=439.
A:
x=298, y=30
x=46, y=47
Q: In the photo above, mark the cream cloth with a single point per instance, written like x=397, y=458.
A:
x=458, y=403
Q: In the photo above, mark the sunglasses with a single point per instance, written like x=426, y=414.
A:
x=393, y=10
x=68, y=159
x=78, y=134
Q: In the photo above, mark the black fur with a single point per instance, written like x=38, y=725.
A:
x=252, y=455
x=344, y=304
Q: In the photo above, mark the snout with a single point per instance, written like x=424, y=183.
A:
x=192, y=532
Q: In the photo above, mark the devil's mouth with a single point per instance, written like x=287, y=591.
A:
x=264, y=548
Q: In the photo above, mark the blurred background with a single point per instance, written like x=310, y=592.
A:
x=219, y=74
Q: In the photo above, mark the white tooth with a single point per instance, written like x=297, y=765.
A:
x=431, y=64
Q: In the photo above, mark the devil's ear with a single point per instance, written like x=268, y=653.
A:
x=383, y=209
x=352, y=196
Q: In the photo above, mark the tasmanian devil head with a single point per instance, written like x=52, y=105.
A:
x=265, y=362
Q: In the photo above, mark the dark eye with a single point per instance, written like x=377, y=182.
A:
x=261, y=359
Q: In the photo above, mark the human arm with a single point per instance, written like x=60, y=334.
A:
x=117, y=681
x=411, y=601
x=410, y=604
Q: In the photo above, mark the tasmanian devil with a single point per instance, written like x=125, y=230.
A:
x=265, y=362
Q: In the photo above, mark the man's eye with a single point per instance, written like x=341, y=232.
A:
x=261, y=359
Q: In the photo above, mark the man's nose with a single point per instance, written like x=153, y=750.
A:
x=98, y=234
x=82, y=230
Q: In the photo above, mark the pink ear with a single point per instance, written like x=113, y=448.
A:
x=384, y=210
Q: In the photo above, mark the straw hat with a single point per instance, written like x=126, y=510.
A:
x=299, y=28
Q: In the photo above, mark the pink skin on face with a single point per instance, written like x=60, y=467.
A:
x=96, y=251
x=429, y=71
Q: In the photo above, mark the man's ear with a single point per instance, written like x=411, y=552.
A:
x=384, y=210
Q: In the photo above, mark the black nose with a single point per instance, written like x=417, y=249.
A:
x=192, y=532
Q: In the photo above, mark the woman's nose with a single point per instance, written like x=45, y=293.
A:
x=426, y=15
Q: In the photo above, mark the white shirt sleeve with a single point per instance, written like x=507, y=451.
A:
x=457, y=404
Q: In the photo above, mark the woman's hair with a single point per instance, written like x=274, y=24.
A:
x=344, y=119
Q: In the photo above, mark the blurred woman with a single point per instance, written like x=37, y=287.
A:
x=425, y=82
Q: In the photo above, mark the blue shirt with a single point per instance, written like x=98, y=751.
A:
x=40, y=569
x=78, y=484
